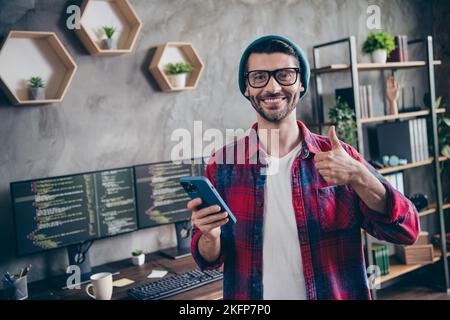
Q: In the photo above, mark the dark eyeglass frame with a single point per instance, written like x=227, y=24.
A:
x=273, y=73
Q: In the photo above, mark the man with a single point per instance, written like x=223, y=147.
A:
x=297, y=234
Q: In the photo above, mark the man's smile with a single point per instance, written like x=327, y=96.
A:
x=272, y=101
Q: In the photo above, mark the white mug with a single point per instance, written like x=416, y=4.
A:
x=103, y=286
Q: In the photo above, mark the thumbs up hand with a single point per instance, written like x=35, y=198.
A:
x=337, y=166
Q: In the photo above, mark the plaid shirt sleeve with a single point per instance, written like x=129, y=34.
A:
x=400, y=223
x=196, y=233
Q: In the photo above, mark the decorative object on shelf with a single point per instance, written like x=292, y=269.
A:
x=345, y=120
x=177, y=73
x=413, y=106
x=175, y=52
x=379, y=45
x=420, y=201
x=392, y=94
x=36, y=88
x=138, y=257
x=95, y=14
x=26, y=54
x=415, y=254
x=108, y=42
x=393, y=161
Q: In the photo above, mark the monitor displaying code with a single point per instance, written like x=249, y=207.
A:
x=56, y=212
x=160, y=197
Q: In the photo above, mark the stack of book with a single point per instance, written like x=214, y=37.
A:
x=396, y=180
x=405, y=139
x=419, y=253
x=419, y=139
x=380, y=255
x=365, y=99
x=400, y=53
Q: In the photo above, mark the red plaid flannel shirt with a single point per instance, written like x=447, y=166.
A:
x=328, y=217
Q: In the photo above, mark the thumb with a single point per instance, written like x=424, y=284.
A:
x=333, y=138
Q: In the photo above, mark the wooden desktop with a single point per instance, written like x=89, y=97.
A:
x=43, y=290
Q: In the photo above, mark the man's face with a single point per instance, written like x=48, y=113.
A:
x=274, y=102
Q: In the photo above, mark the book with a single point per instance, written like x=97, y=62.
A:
x=394, y=56
x=400, y=42
x=411, y=141
x=369, y=102
x=405, y=48
x=400, y=186
x=416, y=139
x=425, y=139
x=419, y=140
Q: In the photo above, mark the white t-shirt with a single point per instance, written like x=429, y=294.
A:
x=282, y=262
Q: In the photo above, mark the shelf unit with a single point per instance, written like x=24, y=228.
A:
x=117, y=13
x=354, y=68
x=31, y=53
x=176, y=52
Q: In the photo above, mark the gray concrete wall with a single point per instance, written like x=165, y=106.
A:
x=113, y=114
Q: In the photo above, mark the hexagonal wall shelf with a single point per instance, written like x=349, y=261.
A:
x=95, y=14
x=27, y=54
x=173, y=52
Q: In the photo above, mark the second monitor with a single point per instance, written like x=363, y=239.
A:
x=161, y=199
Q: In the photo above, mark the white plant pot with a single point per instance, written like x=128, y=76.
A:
x=36, y=93
x=178, y=80
x=379, y=56
x=138, y=260
x=108, y=44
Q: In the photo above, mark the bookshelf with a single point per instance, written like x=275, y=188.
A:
x=353, y=68
x=397, y=269
x=374, y=66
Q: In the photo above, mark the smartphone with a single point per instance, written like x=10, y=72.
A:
x=201, y=187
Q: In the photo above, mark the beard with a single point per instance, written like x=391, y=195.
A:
x=274, y=114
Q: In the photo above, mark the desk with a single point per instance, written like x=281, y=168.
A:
x=213, y=291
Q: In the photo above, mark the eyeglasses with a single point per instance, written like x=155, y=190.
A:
x=284, y=76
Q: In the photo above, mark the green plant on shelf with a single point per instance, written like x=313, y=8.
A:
x=137, y=253
x=109, y=31
x=379, y=40
x=36, y=82
x=345, y=120
x=178, y=68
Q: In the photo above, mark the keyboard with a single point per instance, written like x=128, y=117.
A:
x=174, y=285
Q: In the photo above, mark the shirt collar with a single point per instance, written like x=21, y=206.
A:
x=309, y=142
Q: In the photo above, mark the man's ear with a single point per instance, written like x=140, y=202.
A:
x=302, y=88
x=246, y=93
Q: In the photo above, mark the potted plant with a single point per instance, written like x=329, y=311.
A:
x=36, y=89
x=109, y=32
x=138, y=257
x=379, y=45
x=177, y=73
x=345, y=119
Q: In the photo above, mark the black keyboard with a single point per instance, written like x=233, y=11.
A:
x=174, y=285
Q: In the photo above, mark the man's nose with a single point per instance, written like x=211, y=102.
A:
x=273, y=86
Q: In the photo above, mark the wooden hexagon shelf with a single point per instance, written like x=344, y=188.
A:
x=95, y=14
x=173, y=52
x=27, y=54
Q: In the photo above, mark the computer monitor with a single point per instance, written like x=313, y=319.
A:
x=71, y=210
x=161, y=199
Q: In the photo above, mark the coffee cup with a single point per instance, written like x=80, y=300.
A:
x=102, y=285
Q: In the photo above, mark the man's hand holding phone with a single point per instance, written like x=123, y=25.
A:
x=208, y=220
